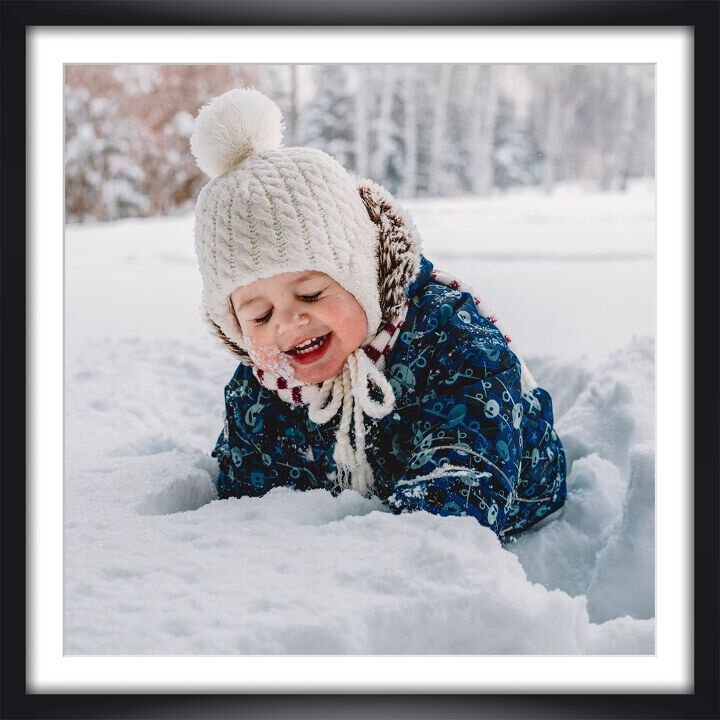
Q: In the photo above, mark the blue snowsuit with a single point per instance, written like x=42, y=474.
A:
x=463, y=438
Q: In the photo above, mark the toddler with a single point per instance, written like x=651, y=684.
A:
x=360, y=365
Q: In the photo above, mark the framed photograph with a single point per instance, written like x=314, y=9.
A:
x=558, y=166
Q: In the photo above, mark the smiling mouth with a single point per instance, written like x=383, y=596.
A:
x=311, y=349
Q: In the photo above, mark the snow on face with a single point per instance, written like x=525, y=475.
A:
x=280, y=312
x=269, y=358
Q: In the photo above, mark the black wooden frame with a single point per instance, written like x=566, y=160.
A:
x=701, y=15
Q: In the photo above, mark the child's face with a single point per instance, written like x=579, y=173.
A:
x=309, y=309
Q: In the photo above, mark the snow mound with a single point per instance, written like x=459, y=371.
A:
x=312, y=573
x=157, y=565
x=625, y=572
x=602, y=543
x=563, y=554
x=615, y=409
x=154, y=564
x=623, y=635
x=187, y=491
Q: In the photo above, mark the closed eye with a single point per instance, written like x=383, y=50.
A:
x=311, y=298
x=262, y=320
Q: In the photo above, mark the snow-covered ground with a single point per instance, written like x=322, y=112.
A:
x=155, y=565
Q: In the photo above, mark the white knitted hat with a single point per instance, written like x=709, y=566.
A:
x=269, y=209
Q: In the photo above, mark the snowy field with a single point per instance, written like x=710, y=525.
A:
x=155, y=565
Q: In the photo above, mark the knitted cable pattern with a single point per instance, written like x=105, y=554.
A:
x=283, y=210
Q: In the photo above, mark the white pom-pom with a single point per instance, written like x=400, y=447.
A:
x=232, y=127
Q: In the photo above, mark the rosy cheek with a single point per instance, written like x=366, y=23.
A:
x=354, y=320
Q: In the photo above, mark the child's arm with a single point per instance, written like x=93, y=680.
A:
x=225, y=478
x=465, y=447
x=239, y=454
x=226, y=481
x=262, y=444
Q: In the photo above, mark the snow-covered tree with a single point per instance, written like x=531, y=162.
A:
x=483, y=91
x=326, y=122
x=516, y=154
x=437, y=174
x=418, y=129
x=127, y=135
x=281, y=83
x=385, y=81
x=102, y=178
x=547, y=119
x=409, y=130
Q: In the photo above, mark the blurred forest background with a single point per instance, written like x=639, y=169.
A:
x=420, y=130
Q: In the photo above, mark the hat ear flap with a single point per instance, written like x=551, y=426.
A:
x=398, y=247
x=216, y=331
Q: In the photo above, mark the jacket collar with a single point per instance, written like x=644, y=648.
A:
x=422, y=278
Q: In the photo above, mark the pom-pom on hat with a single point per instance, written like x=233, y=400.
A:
x=269, y=209
x=234, y=126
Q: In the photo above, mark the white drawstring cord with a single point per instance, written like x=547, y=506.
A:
x=350, y=389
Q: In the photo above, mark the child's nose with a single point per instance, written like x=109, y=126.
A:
x=292, y=319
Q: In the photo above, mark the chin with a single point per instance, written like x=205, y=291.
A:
x=316, y=377
x=318, y=374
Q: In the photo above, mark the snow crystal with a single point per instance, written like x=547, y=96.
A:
x=270, y=359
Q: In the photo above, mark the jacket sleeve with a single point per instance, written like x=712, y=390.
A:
x=245, y=466
x=225, y=472
x=228, y=482
x=465, y=442
x=262, y=445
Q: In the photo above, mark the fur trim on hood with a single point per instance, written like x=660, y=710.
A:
x=398, y=256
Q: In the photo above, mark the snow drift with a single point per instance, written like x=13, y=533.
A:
x=154, y=564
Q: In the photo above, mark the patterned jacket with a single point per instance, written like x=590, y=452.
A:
x=463, y=439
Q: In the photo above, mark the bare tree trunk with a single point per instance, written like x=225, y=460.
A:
x=628, y=123
x=439, y=135
x=481, y=130
x=486, y=177
x=361, y=121
x=552, y=128
x=383, y=135
x=410, y=130
x=474, y=126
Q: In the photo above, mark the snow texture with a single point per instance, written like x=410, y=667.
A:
x=155, y=565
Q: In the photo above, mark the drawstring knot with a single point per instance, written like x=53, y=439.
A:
x=349, y=392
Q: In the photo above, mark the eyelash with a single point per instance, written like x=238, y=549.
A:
x=307, y=298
